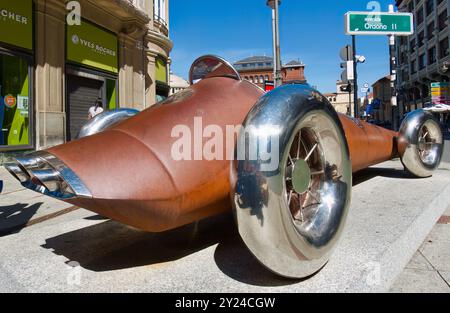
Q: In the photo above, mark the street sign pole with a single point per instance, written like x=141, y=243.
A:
x=277, y=79
x=382, y=23
x=347, y=75
x=355, y=79
x=350, y=97
x=393, y=72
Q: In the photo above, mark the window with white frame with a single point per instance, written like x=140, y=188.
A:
x=160, y=10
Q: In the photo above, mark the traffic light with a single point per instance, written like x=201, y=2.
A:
x=346, y=88
x=348, y=73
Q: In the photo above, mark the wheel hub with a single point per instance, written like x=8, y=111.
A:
x=301, y=176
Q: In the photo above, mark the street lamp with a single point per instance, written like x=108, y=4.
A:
x=277, y=79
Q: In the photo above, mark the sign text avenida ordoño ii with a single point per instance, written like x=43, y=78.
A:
x=379, y=23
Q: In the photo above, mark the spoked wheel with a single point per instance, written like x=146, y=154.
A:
x=428, y=143
x=306, y=173
x=421, y=143
x=291, y=218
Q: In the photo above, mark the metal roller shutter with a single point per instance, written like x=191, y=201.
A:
x=82, y=93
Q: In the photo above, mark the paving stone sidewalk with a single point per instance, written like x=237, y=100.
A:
x=429, y=269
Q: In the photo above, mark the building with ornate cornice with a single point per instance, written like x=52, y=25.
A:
x=58, y=58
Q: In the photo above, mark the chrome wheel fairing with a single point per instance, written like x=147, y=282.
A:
x=291, y=218
x=421, y=143
x=105, y=120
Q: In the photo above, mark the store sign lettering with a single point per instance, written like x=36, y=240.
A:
x=74, y=14
x=16, y=23
x=95, y=47
x=14, y=16
x=90, y=45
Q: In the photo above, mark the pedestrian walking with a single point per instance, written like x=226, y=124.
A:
x=96, y=109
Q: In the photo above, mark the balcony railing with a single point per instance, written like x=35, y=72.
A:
x=161, y=24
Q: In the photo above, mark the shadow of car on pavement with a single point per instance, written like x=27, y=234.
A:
x=109, y=246
x=13, y=218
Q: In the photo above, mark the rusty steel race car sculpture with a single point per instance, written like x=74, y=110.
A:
x=290, y=215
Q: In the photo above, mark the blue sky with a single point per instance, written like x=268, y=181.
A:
x=312, y=31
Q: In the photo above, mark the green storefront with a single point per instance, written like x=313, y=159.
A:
x=16, y=73
x=161, y=77
x=91, y=72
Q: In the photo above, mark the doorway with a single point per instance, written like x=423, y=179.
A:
x=82, y=93
x=84, y=90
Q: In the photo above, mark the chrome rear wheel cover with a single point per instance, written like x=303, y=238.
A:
x=421, y=143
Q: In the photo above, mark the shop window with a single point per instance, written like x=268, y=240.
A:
x=15, y=104
x=161, y=70
x=111, y=94
x=161, y=77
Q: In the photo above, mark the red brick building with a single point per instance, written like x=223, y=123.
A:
x=259, y=70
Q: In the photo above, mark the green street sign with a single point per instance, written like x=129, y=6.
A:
x=16, y=23
x=379, y=23
x=90, y=45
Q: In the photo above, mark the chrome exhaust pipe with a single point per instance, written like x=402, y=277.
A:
x=17, y=172
x=49, y=178
x=45, y=173
x=31, y=162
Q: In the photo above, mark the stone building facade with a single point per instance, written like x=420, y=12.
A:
x=68, y=55
x=259, y=70
x=342, y=101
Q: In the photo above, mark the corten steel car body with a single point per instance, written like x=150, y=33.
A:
x=290, y=217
